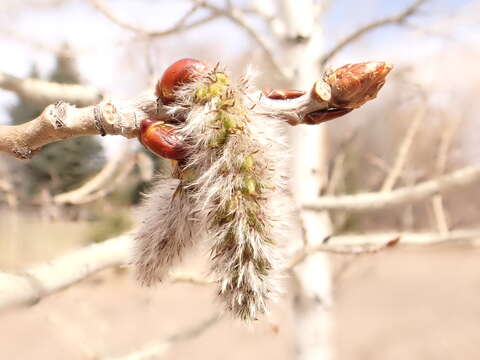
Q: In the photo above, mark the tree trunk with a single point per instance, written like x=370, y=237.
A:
x=312, y=299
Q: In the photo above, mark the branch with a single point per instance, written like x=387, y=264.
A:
x=10, y=195
x=376, y=200
x=30, y=287
x=179, y=26
x=159, y=348
x=395, y=19
x=408, y=238
x=236, y=16
x=438, y=207
x=63, y=121
x=45, y=92
x=350, y=250
x=403, y=152
x=34, y=284
x=102, y=184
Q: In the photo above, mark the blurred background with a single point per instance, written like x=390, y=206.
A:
x=417, y=300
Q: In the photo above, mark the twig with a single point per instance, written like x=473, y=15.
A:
x=10, y=195
x=437, y=201
x=339, y=250
x=375, y=200
x=32, y=285
x=179, y=26
x=159, y=348
x=45, y=92
x=236, y=16
x=403, y=152
x=395, y=19
x=102, y=184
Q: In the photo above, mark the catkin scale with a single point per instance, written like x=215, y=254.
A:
x=228, y=183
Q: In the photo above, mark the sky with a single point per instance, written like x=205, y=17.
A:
x=105, y=62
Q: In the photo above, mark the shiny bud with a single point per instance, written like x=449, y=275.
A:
x=352, y=85
x=161, y=139
x=180, y=72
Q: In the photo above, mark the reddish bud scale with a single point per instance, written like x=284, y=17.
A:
x=352, y=85
x=321, y=116
x=282, y=94
x=180, y=72
x=161, y=140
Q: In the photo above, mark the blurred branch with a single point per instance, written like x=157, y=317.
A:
x=31, y=286
x=10, y=194
x=399, y=19
x=339, y=250
x=43, y=46
x=403, y=151
x=159, y=348
x=237, y=17
x=180, y=25
x=45, y=92
x=410, y=238
x=377, y=200
x=102, y=184
x=442, y=156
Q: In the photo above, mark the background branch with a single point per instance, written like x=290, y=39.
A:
x=180, y=25
x=46, y=92
x=395, y=19
x=403, y=151
x=374, y=200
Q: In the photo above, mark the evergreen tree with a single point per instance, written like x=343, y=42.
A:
x=64, y=165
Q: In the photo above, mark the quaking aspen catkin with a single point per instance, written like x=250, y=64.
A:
x=228, y=192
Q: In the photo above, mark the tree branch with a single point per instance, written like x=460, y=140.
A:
x=103, y=183
x=45, y=92
x=403, y=152
x=159, y=348
x=350, y=250
x=180, y=25
x=62, y=121
x=395, y=19
x=32, y=285
x=236, y=16
x=29, y=287
x=376, y=200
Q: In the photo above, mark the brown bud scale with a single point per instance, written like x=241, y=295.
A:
x=161, y=140
x=352, y=85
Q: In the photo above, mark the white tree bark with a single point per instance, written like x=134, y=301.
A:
x=313, y=297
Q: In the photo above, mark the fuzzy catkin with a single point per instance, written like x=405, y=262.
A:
x=229, y=184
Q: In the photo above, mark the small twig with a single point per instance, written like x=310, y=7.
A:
x=374, y=200
x=442, y=157
x=400, y=18
x=403, y=151
x=43, y=92
x=102, y=184
x=30, y=287
x=236, y=16
x=339, y=250
x=180, y=25
x=159, y=348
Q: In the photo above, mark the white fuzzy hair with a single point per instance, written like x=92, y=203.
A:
x=233, y=200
